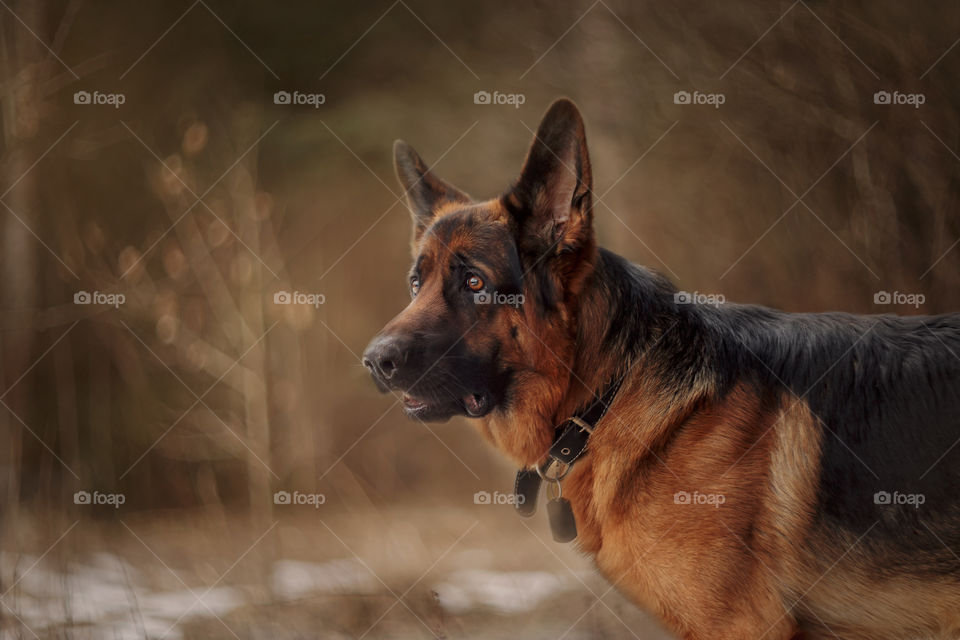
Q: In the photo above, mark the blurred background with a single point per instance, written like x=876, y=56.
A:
x=201, y=231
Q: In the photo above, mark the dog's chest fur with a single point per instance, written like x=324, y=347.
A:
x=666, y=503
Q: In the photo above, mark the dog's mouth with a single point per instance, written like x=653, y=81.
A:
x=410, y=403
x=473, y=405
x=476, y=404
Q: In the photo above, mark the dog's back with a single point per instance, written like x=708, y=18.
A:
x=884, y=392
x=830, y=444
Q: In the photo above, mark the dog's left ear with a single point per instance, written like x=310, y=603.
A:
x=552, y=200
x=426, y=192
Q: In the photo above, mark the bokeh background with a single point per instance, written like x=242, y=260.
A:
x=199, y=198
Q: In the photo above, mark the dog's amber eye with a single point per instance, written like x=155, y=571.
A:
x=474, y=283
x=414, y=285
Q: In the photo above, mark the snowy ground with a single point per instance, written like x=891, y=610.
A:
x=478, y=588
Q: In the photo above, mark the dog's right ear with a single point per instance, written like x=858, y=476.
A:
x=426, y=193
x=552, y=200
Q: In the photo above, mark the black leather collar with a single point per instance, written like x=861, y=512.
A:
x=569, y=443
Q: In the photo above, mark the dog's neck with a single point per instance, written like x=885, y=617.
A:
x=617, y=313
x=623, y=309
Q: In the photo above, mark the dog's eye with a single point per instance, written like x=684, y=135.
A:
x=414, y=285
x=474, y=283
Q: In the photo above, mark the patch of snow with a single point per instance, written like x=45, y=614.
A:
x=106, y=592
x=171, y=605
x=504, y=592
x=293, y=579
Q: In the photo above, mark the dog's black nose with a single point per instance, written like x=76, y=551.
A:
x=384, y=357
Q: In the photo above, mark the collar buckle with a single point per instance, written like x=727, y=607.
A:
x=572, y=441
x=560, y=470
x=580, y=423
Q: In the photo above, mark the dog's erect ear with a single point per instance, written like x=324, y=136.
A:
x=552, y=200
x=425, y=192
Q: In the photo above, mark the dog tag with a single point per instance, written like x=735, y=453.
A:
x=563, y=526
x=525, y=491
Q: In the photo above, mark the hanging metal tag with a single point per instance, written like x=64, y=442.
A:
x=525, y=491
x=563, y=525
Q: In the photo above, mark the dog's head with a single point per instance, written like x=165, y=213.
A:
x=493, y=283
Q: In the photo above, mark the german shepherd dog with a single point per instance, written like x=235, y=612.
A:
x=757, y=474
